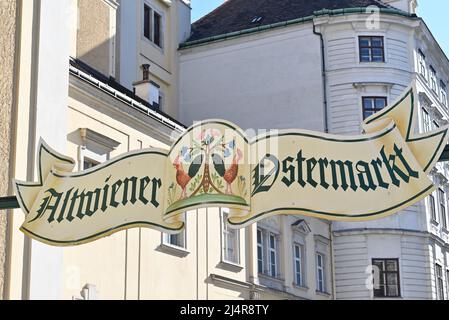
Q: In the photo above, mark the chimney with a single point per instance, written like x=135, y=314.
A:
x=404, y=5
x=147, y=89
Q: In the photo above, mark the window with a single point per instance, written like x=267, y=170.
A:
x=230, y=240
x=320, y=273
x=386, y=278
x=267, y=253
x=147, y=22
x=427, y=125
x=89, y=163
x=439, y=279
x=260, y=250
x=152, y=25
x=442, y=200
x=298, y=253
x=447, y=281
x=371, y=49
x=432, y=208
x=435, y=125
x=157, y=29
x=433, y=79
x=443, y=93
x=272, y=256
x=371, y=105
x=422, y=63
x=175, y=240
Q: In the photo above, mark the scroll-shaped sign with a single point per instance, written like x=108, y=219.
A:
x=214, y=164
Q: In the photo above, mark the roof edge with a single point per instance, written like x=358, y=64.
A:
x=323, y=12
x=122, y=94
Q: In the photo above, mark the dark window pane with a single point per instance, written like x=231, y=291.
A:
x=371, y=105
x=392, y=265
x=157, y=29
x=378, y=54
x=367, y=114
x=371, y=49
x=386, y=278
x=365, y=54
x=380, y=103
x=364, y=42
x=392, y=291
x=147, y=22
x=368, y=103
x=377, y=42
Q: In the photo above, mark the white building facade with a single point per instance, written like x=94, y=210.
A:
x=326, y=72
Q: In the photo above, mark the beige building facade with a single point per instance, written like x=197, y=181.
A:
x=111, y=86
x=8, y=64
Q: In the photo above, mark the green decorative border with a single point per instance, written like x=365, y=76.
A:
x=322, y=213
x=84, y=173
x=408, y=138
x=101, y=234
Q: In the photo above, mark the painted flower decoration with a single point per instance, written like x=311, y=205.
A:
x=184, y=151
x=227, y=153
x=208, y=136
x=232, y=144
x=187, y=157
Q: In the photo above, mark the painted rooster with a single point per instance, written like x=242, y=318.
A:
x=231, y=173
x=183, y=178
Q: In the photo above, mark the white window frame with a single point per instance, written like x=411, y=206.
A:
x=434, y=212
x=433, y=79
x=274, y=251
x=426, y=120
x=225, y=232
x=260, y=245
x=298, y=260
x=439, y=289
x=447, y=282
x=266, y=250
x=320, y=269
x=88, y=155
x=153, y=9
x=442, y=205
x=166, y=240
x=422, y=64
x=443, y=93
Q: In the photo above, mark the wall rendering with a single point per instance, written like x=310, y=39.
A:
x=8, y=45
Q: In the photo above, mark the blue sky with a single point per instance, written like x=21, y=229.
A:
x=434, y=13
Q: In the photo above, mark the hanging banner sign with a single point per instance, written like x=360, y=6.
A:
x=214, y=164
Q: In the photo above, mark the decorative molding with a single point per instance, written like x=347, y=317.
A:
x=442, y=122
x=361, y=86
x=168, y=3
x=321, y=239
x=94, y=140
x=229, y=266
x=435, y=113
x=424, y=100
x=440, y=179
x=301, y=226
x=173, y=250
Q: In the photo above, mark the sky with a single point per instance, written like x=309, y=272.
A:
x=434, y=13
